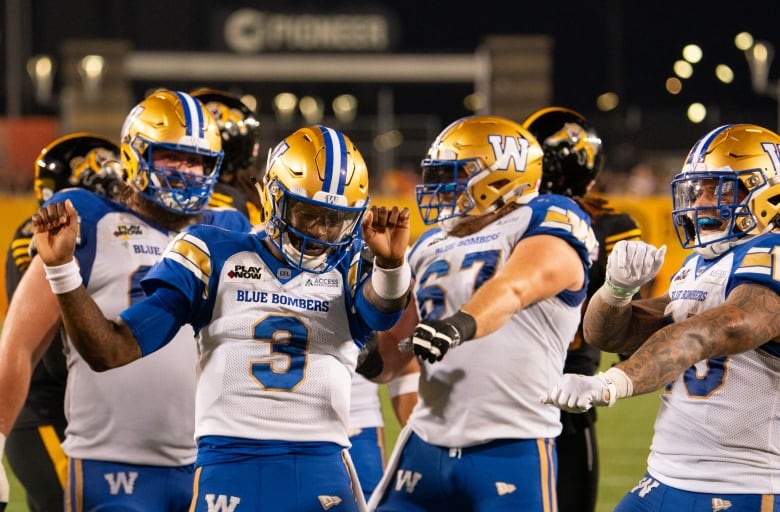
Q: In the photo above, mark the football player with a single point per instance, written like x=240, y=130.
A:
x=129, y=438
x=712, y=342
x=497, y=294
x=573, y=158
x=33, y=450
x=277, y=315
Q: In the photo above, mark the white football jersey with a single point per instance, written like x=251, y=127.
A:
x=365, y=408
x=277, y=345
x=141, y=413
x=489, y=388
x=718, y=426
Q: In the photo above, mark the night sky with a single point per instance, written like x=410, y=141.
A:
x=601, y=45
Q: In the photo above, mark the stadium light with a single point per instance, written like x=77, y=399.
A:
x=759, y=58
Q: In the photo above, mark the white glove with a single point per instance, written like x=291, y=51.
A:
x=578, y=393
x=630, y=265
x=5, y=491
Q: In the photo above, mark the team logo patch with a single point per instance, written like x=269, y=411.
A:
x=128, y=230
x=720, y=504
x=245, y=272
x=329, y=502
x=321, y=282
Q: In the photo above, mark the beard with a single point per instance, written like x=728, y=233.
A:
x=159, y=215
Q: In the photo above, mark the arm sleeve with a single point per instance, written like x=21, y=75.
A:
x=156, y=319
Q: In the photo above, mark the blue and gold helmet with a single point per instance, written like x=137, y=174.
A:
x=175, y=121
x=315, y=192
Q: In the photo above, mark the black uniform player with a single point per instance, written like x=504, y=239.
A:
x=240, y=131
x=572, y=160
x=33, y=447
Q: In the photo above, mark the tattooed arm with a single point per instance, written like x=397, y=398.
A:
x=621, y=329
x=749, y=318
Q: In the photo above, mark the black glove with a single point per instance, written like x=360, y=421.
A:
x=433, y=338
x=369, y=362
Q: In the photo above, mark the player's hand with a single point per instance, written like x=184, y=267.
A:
x=632, y=264
x=433, y=338
x=578, y=393
x=386, y=231
x=5, y=490
x=55, y=230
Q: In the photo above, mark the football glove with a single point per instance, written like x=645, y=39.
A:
x=578, y=393
x=433, y=338
x=630, y=265
x=369, y=362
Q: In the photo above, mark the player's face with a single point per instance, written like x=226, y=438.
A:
x=316, y=222
x=708, y=194
x=171, y=159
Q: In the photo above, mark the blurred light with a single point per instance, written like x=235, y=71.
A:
x=759, y=57
x=250, y=100
x=475, y=101
x=724, y=73
x=41, y=71
x=284, y=106
x=91, y=69
x=683, y=69
x=389, y=140
x=673, y=85
x=692, y=53
x=696, y=112
x=607, y=101
x=312, y=109
x=743, y=41
x=345, y=107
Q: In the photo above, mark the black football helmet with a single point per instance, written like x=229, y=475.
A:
x=79, y=159
x=238, y=126
x=572, y=150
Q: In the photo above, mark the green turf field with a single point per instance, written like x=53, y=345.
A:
x=624, y=433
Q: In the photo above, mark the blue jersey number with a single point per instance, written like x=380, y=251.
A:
x=430, y=299
x=289, y=339
x=699, y=385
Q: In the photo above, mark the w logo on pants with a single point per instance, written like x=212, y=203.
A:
x=221, y=503
x=121, y=481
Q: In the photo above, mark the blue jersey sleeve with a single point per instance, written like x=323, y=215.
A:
x=156, y=319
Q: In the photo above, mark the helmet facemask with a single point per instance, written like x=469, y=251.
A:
x=175, y=190
x=444, y=192
x=711, y=229
x=312, y=234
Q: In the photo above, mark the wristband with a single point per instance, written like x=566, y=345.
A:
x=618, y=383
x=63, y=278
x=404, y=384
x=391, y=283
x=614, y=296
x=621, y=292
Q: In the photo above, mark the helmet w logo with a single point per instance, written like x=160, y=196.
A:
x=773, y=151
x=509, y=150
